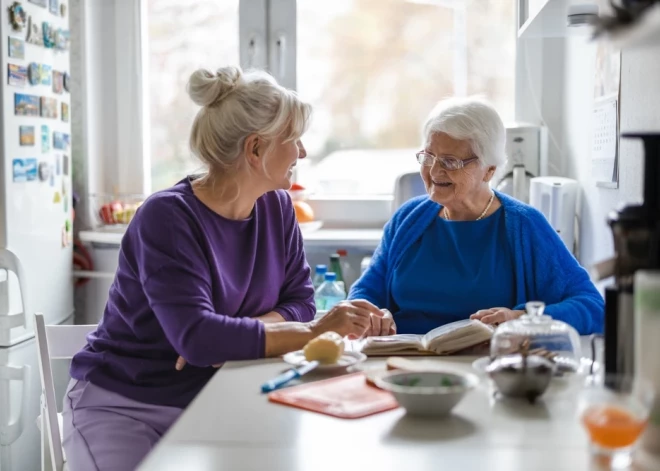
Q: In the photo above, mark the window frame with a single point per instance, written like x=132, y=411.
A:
x=262, y=26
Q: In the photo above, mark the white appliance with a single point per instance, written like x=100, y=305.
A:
x=526, y=149
x=35, y=213
x=556, y=198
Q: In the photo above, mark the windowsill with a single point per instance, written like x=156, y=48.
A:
x=355, y=238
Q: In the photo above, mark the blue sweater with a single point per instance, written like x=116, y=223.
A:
x=545, y=270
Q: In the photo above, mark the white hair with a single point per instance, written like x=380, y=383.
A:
x=470, y=119
x=234, y=106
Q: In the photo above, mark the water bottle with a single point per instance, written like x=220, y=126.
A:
x=319, y=276
x=329, y=293
x=335, y=267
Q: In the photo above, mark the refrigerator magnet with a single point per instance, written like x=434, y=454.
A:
x=44, y=171
x=58, y=141
x=16, y=75
x=58, y=81
x=65, y=112
x=48, y=107
x=18, y=170
x=26, y=135
x=26, y=105
x=65, y=164
x=44, y=74
x=45, y=139
x=49, y=35
x=16, y=48
x=34, y=73
x=57, y=197
x=61, y=37
x=65, y=198
x=58, y=168
x=41, y=3
x=66, y=80
x=54, y=6
x=30, y=169
x=17, y=16
x=52, y=177
x=65, y=239
x=63, y=9
x=34, y=35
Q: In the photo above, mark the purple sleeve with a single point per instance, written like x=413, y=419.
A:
x=177, y=283
x=296, y=301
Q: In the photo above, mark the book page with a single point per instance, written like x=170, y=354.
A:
x=392, y=343
x=457, y=336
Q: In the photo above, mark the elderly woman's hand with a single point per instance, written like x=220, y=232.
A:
x=381, y=326
x=496, y=315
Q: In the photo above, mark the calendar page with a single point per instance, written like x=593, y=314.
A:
x=604, y=142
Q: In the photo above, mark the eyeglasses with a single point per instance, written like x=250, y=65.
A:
x=447, y=162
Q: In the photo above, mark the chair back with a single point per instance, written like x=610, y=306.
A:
x=407, y=186
x=55, y=342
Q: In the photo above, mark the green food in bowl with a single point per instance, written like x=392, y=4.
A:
x=428, y=393
x=411, y=381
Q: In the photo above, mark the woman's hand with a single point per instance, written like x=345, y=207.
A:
x=496, y=315
x=381, y=325
x=348, y=318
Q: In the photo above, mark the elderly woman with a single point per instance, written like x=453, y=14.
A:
x=466, y=251
x=210, y=270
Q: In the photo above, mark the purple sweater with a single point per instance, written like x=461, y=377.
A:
x=189, y=283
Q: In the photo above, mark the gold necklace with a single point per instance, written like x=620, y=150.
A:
x=490, y=201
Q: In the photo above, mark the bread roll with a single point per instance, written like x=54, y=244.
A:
x=327, y=348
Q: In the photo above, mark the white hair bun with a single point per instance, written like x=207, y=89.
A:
x=207, y=88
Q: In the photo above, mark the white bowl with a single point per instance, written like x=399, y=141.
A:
x=428, y=393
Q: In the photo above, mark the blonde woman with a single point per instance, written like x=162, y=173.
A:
x=210, y=270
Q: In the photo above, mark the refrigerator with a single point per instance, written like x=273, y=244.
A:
x=36, y=214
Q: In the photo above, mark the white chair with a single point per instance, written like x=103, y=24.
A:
x=54, y=342
x=407, y=186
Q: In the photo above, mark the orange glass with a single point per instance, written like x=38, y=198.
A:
x=614, y=411
x=612, y=427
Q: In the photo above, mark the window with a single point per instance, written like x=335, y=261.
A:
x=372, y=69
x=182, y=37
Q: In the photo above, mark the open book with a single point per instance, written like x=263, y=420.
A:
x=443, y=340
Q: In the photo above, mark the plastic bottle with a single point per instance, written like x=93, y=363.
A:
x=346, y=270
x=335, y=267
x=329, y=293
x=319, y=276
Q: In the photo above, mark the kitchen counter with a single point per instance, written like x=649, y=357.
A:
x=358, y=238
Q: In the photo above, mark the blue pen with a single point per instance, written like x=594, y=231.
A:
x=287, y=376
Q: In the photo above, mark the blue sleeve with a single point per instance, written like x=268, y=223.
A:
x=296, y=302
x=561, y=282
x=372, y=285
